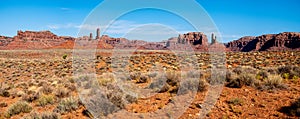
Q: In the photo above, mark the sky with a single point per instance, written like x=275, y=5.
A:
x=232, y=18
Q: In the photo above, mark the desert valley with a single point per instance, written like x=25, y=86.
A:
x=259, y=76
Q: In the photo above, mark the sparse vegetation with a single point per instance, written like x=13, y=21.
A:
x=65, y=56
x=44, y=115
x=48, y=85
x=235, y=101
x=67, y=105
x=17, y=108
x=45, y=100
x=62, y=92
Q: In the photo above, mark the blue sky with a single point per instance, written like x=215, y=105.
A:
x=233, y=18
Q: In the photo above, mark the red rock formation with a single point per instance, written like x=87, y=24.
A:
x=4, y=41
x=36, y=40
x=269, y=42
x=194, y=38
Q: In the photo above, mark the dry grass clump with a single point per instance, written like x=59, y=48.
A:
x=44, y=115
x=31, y=96
x=17, y=108
x=45, y=100
x=235, y=101
x=273, y=82
x=67, y=105
x=46, y=89
x=262, y=79
x=4, y=90
x=62, y=92
x=106, y=79
x=241, y=80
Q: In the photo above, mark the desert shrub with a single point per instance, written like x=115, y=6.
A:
x=134, y=75
x=273, y=81
x=202, y=85
x=271, y=70
x=192, y=84
x=235, y=101
x=284, y=69
x=244, y=69
x=289, y=72
x=46, y=89
x=248, y=79
x=172, y=78
x=67, y=105
x=33, y=115
x=4, y=90
x=241, y=80
x=105, y=79
x=193, y=74
x=142, y=79
x=4, y=93
x=238, y=70
x=261, y=75
x=31, y=96
x=217, y=78
x=293, y=109
x=116, y=96
x=45, y=100
x=17, y=108
x=64, y=56
x=3, y=104
x=62, y=92
x=71, y=87
x=188, y=85
x=44, y=115
x=159, y=84
x=50, y=115
x=230, y=76
x=152, y=74
x=235, y=83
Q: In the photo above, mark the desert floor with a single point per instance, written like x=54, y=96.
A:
x=148, y=84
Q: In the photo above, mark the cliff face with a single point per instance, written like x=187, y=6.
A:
x=269, y=42
x=33, y=40
x=192, y=40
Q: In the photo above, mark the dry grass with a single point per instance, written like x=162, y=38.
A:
x=17, y=108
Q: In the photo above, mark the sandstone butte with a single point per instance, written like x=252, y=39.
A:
x=196, y=41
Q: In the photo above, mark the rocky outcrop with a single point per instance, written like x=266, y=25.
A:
x=4, y=41
x=192, y=40
x=35, y=40
x=269, y=42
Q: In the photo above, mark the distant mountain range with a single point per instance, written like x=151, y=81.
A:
x=197, y=41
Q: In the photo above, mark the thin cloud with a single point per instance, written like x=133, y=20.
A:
x=65, y=9
x=62, y=26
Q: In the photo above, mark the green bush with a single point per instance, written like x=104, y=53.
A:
x=288, y=72
x=17, y=108
x=65, y=56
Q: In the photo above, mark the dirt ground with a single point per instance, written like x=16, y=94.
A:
x=24, y=72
